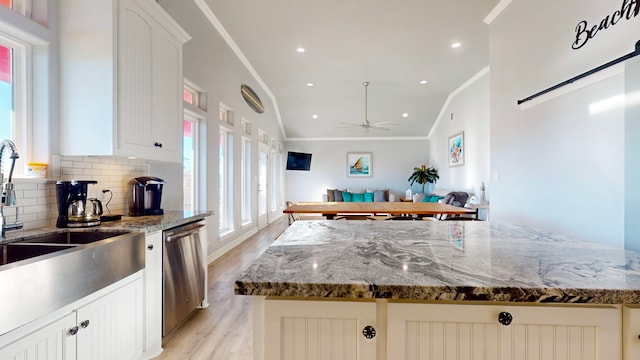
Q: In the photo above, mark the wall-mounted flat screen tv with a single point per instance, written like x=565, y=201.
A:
x=298, y=161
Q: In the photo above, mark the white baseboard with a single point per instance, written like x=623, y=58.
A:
x=226, y=248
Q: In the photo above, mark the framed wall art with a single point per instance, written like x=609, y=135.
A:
x=456, y=149
x=359, y=164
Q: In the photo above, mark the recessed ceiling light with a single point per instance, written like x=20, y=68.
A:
x=314, y=116
x=456, y=45
x=309, y=84
x=405, y=115
x=301, y=50
x=422, y=82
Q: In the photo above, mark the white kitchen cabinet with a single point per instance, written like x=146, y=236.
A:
x=112, y=326
x=153, y=295
x=121, y=79
x=108, y=326
x=324, y=329
x=50, y=342
x=301, y=330
x=631, y=332
x=442, y=331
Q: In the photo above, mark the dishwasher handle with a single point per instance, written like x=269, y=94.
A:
x=183, y=231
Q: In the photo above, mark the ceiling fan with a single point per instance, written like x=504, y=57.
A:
x=366, y=124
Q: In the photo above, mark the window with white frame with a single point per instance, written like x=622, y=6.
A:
x=246, y=180
x=189, y=162
x=22, y=7
x=194, y=115
x=225, y=180
x=274, y=177
x=13, y=88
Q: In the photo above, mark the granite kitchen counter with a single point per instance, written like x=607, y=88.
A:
x=447, y=260
x=150, y=223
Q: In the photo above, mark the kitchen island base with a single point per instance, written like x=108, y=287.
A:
x=388, y=329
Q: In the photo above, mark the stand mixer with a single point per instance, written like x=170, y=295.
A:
x=74, y=208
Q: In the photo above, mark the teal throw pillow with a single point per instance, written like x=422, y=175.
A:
x=346, y=196
x=357, y=197
x=368, y=197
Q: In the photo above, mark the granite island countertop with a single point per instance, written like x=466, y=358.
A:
x=149, y=223
x=446, y=260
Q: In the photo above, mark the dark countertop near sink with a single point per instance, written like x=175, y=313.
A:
x=151, y=223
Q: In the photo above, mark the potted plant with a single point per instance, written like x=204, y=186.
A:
x=423, y=175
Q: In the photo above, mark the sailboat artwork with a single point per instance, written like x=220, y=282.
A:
x=359, y=164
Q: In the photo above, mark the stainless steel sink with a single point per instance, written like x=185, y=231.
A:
x=73, y=237
x=10, y=253
x=50, y=243
x=45, y=273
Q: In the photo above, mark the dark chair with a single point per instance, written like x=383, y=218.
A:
x=455, y=198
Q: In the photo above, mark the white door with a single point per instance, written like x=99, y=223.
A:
x=112, y=326
x=51, y=342
x=263, y=185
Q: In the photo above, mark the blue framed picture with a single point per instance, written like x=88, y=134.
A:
x=359, y=164
x=456, y=149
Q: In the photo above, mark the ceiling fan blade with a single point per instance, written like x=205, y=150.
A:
x=378, y=126
x=347, y=125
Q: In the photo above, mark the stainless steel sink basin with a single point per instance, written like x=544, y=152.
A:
x=10, y=253
x=50, y=243
x=73, y=237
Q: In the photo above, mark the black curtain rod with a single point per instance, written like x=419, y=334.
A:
x=585, y=74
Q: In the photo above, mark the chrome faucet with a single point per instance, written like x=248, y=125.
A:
x=8, y=194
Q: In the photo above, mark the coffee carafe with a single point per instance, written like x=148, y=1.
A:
x=74, y=208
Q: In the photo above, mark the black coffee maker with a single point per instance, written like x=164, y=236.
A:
x=145, y=195
x=74, y=208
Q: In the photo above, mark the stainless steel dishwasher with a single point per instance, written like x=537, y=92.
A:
x=184, y=266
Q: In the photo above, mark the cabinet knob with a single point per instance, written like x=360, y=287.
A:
x=150, y=247
x=84, y=324
x=73, y=331
x=369, y=332
x=505, y=318
x=157, y=144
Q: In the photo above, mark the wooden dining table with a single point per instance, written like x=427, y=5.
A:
x=420, y=209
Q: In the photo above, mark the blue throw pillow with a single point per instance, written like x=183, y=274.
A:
x=368, y=197
x=357, y=197
x=426, y=198
x=346, y=196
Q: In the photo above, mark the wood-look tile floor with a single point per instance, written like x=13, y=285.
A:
x=224, y=329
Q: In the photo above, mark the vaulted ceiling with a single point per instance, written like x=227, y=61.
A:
x=393, y=45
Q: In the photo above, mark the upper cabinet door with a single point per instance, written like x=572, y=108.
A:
x=133, y=84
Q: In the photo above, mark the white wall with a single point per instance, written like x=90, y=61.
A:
x=211, y=65
x=470, y=108
x=632, y=155
x=555, y=165
x=392, y=160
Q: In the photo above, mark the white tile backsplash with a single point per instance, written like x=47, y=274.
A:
x=36, y=198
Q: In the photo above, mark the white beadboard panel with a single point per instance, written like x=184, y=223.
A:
x=466, y=332
x=314, y=330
